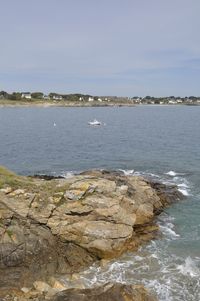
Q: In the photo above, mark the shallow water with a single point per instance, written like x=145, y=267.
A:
x=163, y=142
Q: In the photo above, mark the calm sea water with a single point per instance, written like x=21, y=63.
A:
x=161, y=141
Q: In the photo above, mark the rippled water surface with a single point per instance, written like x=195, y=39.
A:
x=161, y=141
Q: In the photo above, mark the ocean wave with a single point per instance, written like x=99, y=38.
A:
x=189, y=267
x=168, y=231
x=173, y=173
x=175, y=179
x=146, y=174
x=127, y=172
x=67, y=174
x=182, y=184
x=184, y=192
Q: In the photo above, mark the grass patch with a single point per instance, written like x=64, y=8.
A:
x=44, y=188
x=9, y=178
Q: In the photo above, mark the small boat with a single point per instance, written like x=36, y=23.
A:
x=94, y=122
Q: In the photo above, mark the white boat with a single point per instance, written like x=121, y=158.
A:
x=94, y=122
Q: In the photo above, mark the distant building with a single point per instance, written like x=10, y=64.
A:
x=57, y=97
x=90, y=99
x=136, y=100
x=26, y=95
x=46, y=97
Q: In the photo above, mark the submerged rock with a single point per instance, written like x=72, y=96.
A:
x=60, y=226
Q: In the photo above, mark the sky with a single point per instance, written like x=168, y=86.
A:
x=101, y=47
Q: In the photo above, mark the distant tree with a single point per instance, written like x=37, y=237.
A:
x=37, y=95
x=4, y=94
x=15, y=96
x=53, y=94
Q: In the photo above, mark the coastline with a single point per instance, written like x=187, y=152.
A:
x=39, y=104
x=63, y=104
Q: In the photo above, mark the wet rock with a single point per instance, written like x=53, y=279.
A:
x=108, y=292
x=41, y=286
x=47, y=177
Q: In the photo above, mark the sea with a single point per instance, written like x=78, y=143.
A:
x=162, y=142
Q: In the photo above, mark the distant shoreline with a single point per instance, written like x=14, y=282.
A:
x=62, y=104
x=12, y=104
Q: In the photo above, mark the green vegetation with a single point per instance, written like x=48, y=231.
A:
x=30, y=184
x=8, y=178
x=37, y=95
x=9, y=232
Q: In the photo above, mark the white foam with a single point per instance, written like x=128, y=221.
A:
x=184, y=185
x=168, y=231
x=67, y=174
x=163, y=290
x=128, y=172
x=189, y=268
x=183, y=191
x=138, y=258
x=147, y=174
x=181, y=183
x=171, y=173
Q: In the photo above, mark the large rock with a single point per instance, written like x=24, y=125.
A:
x=62, y=225
x=108, y=292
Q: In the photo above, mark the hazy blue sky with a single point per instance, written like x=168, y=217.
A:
x=101, y=47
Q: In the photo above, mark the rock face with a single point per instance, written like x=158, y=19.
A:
x=62, y=225
x=109, y=292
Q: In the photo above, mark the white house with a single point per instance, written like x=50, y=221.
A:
x=26, y=95
x=172, y=102
x=57, y=97
x=90, y=99
x=46, y=97
x=100, y=100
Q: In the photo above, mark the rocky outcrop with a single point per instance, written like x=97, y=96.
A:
x=109, y=292
x=63, y=225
